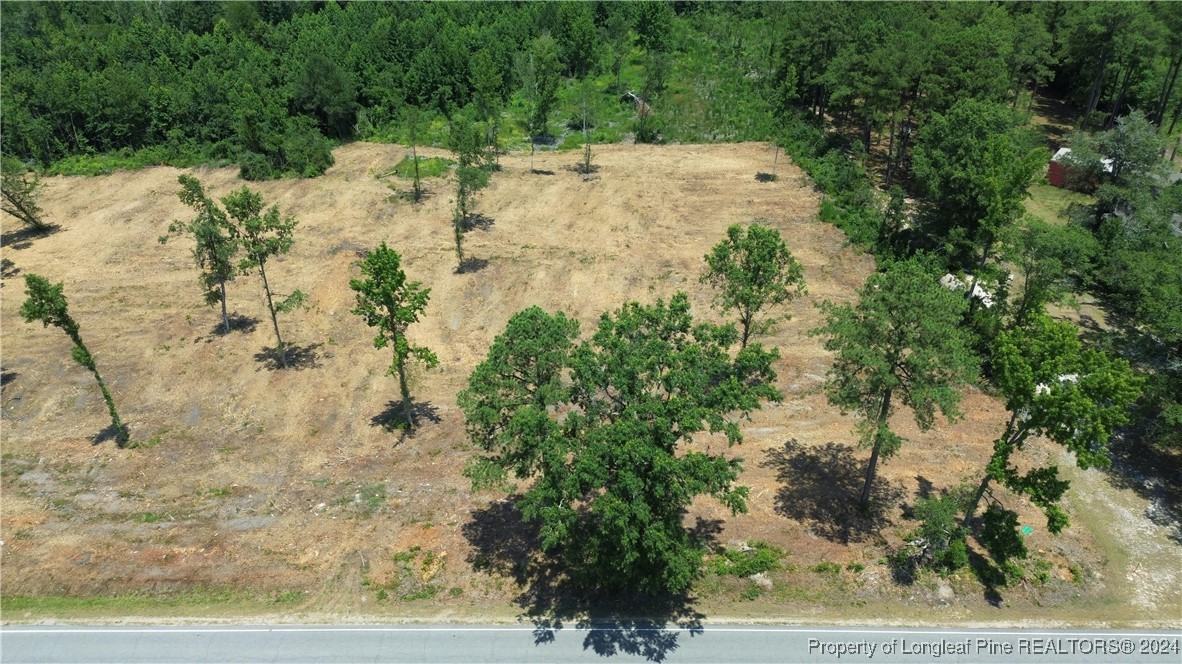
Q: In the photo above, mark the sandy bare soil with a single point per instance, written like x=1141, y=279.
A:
x=287, y=483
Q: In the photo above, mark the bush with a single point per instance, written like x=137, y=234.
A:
x=305, y=150
x=254, y=166
x=757, y=558
x=850, y=202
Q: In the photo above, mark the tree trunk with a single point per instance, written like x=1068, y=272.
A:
x=864, y=500
x=414, y=157
x=403, y=387
x=121, y=436
x=775, y=160
x=20, y=211
x=1120, y=96
x=1174, y=119
x=1159, y=113
x=225, y=316
x=976, y=276
x=867, y=125
x=1094, y=93
x=970, y=510
x=890, y=165
x=1011, y=438
x=1030, y=104
x=274, y=318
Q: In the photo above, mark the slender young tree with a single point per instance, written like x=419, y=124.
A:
x=539, y=72
x=47, y=304
x=486, y=83
x=263, y=235
x=18, y=197
x=753, y=270
x=472, y=175
x=902, y=340
x=389, y=303
x=215, y=239
x=413, y=118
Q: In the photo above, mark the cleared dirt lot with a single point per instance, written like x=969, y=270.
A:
x=286, y=485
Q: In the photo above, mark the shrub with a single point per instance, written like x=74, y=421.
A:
x=756, y=558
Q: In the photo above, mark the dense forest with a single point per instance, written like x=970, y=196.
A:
x=914, y=120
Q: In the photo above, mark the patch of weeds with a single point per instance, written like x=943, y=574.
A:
x=755, y=558
x=320, y=482
x=11, y=464
x=1077, y=575
x=752, y=592
x=455, y=591
x=414, y=572
x=429, y=167
x=366, y=499
x=855, y=567
x=1041, y=571
x=214, y=492
x=288, y=597
x=826, y=568
x=148, y=517
x=147, y=444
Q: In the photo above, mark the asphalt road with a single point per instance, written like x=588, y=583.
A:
x=627, y=643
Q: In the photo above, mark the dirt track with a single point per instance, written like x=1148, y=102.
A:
x=274, y=481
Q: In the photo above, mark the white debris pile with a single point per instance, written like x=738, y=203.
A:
x=956, y=283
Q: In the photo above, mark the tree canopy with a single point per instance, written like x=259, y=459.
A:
x=753, y=270
x=600, y=426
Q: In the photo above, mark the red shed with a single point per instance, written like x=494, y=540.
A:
x=1059, y=171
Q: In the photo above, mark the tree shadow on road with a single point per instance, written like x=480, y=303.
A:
x=615, y=623
x=820, y=487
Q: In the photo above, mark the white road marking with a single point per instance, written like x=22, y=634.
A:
x=594, y=628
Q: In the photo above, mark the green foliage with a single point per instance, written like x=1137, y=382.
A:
x=903, y=339
x=849, y=201
x=215, y=242
x=755, y=558
x=941, y=531
x=1000, y=536
x=18, y=196
x=827, y=567
x=1050, y=261
x=597, y=426
x=428, y=167
x=46, y=303
x=753, y=270
x=538, y=73
x=262, y=236
x=305, y=151
x=472, y=175
x=974, y=168
x=391, y=304
x=1055, y=388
